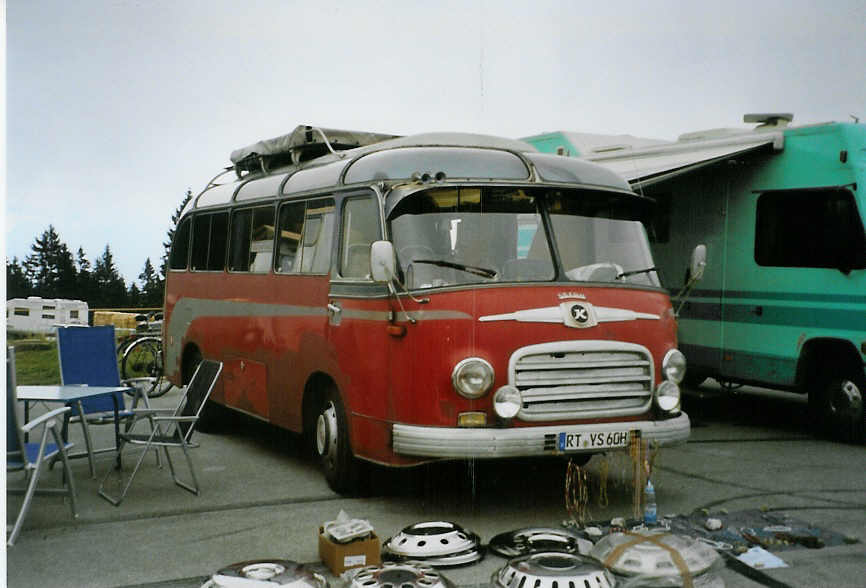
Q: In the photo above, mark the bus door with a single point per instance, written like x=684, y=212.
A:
x=302, y=262
x=358, y=312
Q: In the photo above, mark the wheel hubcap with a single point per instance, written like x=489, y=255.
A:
x=846, y=401
x=326, y=433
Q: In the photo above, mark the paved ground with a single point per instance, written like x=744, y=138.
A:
x=263, y=498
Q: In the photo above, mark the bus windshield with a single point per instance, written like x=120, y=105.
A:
x=469, y=235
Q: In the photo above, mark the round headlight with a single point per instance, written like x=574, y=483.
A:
x=472, y=377
x=674, y=366
x=507, y=402
x=668, y=397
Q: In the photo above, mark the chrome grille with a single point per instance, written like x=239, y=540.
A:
x=582, y=379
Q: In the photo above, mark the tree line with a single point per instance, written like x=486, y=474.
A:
x=51, y=270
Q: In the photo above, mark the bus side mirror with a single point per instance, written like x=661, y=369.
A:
x=698, y=263
x=382, y=261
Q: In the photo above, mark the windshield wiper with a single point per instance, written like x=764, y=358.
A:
x=478, y=271
x=636, y=272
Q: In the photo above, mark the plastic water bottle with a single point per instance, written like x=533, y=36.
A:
x=650, y=514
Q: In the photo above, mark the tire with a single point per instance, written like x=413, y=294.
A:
x=141, y=363
x=331, y=444
x=836, y=402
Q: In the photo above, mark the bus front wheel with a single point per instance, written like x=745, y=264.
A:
x=331, y=436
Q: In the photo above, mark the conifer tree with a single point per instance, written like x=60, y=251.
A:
x=109, y=286
x=50, y=268
x=17, y=283
x=84, y=284
x=151, y=286
x=167, y=244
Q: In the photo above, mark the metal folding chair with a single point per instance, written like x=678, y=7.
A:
x=170, y=429
x=32, y=457
x=87, y=356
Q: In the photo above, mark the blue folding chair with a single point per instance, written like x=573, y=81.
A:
x=88, y=356
x=30, y=457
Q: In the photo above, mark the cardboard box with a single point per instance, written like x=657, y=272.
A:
x=339, y=557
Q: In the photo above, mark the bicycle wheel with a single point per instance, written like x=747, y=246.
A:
x=142, y=365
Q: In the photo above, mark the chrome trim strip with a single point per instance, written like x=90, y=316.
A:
x=452, y=442
x=187, y=309
x=555, y=314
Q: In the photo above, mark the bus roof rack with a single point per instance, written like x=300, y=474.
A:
x=302, y=144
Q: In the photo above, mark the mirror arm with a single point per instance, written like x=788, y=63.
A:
x=393, y=291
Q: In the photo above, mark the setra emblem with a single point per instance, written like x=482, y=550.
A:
x=578, y=314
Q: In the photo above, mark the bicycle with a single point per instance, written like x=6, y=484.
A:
x=140, y=357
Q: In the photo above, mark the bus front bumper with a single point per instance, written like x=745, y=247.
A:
x=448, y=442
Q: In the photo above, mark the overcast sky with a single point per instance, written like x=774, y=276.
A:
x=116, y=107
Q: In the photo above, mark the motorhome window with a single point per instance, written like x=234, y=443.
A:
x=47, y=316
x=73, y=314
x=809, y=228
x=209, y=239
x=448, y=236
x=180, y=247
x=360, y=229
x=305, y=236
x=22, y=312
x=600, y=237
x=454, y=163
x=252, y=240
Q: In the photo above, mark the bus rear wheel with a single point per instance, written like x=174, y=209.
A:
x=331, y=442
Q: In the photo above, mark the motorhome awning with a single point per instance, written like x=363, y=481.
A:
x=649, y=165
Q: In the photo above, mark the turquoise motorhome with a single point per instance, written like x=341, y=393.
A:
x=781, y=209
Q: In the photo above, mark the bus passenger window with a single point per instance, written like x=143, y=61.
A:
x=209, y=236
x=318, y=236
x=291, y=226
x=252, y=241
x=219, y=236
x=306, y=232
x=200, y=242
x=180, y=246
x=360, y=229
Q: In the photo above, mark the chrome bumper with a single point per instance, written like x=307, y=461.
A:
x=525, y=441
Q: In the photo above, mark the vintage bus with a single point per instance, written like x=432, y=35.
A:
x=441, y=296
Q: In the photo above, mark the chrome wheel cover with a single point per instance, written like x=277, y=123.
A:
x=326, y=434
x=551, y=569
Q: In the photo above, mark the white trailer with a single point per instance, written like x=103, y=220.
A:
x=42, y=315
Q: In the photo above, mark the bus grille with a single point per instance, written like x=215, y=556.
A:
x=582, y=379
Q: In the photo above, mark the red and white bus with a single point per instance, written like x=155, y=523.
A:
x=440, y=296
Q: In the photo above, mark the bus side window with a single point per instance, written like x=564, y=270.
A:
x=318, y=236
x=305, y=233
x=219, y=236
x=360, y=229
x=290, y=228
x=200, y=241
x=209, y=237
x=180, y=246
x=252, y=240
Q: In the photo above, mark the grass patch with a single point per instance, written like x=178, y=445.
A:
x=36, y=363
x=36, y=359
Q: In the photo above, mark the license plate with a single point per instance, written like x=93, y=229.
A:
x=581, y=441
